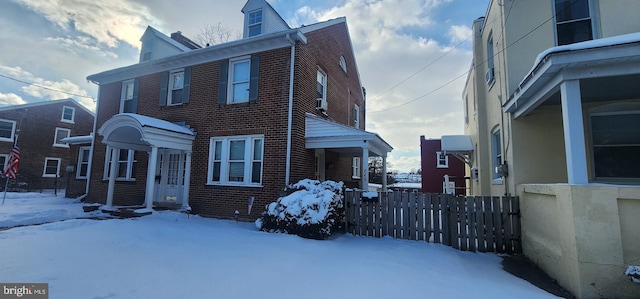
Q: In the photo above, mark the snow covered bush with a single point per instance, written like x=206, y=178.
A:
x=634, y=273
x=313, y=210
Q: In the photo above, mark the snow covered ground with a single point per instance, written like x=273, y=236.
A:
x=173, y=255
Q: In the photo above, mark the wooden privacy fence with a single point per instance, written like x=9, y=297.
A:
x=470, y=223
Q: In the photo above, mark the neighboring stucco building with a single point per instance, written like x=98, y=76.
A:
x=552, y=108
x=44, y=157
x=435, y=164
x=208, y=128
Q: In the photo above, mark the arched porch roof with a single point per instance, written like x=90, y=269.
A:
x=139, y=132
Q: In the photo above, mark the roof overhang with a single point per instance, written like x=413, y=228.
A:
x=78, y=140
x=245, y=46
x=459, y=146
x=324, y=134
x=617, y=56
x=138, y=132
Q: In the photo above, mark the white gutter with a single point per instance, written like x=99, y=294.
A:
x=290, y=112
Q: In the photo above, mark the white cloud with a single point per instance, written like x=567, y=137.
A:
x=82, y=45
x=10, y=99
x=459, y=33
x=108, y=22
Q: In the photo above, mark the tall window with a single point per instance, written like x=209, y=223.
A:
x=61, y=133
x=490, y=75
x=7, y=130
x=126, y=103
x=239, y=76
x=51, y=167
x=83, y=163
x=496, y=149
x=255, y=22
x=3, y=161
x=573, y=21
x=176, y=85
x=236, y=160
x=442, y=160
x=355, y=168
x=68, y=114
x=356, y=116
x=615, y=138
x=321, y=90
x=126, y=160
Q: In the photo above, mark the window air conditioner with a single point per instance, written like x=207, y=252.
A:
x=474, y=173
x=321, y=104
x=489, y=76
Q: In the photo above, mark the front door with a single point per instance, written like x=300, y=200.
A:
x=171, y=176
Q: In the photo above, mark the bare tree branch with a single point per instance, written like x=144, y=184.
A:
x=216, y=34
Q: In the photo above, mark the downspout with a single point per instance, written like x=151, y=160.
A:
x=93, y=140
x=290, y=112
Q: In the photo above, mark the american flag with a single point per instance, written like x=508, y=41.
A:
x=12, y=165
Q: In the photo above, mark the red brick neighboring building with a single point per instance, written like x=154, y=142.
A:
x=39, y=129
x=435, y=165
x=218, y=125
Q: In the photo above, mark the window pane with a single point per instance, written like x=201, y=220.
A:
x=67, y=114
x=254, y=30
x=218, y=150
x=236, y=171
x=51, y=167
x=567, y=10
x=83, y=169
x=256, y=172
x=574, y=32
x=128, y=91
x=617, y=162
x=5, y=129
x=60, y=134
x=122, y=169
x=257, y=149
x=216, y=172
x=622, y=129
x=241, y=71
x=241, y=93
x=255, y=17
x=178, y=80
x=176, y=96
x=123, y=155
x=236, y=150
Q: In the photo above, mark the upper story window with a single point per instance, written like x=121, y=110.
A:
x=496, y=150
x=239, y=77
x=236, y=160
x=321, y=90
x=442, y=160
x=127, y=100
x=343, y=64
x=68, y=114
x=356, y=116
x=615, y=142
x=255, y=22
x=7, y=130
x=573, y=21
x=176, y=86
x=61, y=133
x=490, y=75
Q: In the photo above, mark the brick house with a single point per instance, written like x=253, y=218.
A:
x=39, y=129
x=208, y=128
x=435, y=164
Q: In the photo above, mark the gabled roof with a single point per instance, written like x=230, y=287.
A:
x=322, y=133
x=266, y=5
x=44, y=103
x=152, y=31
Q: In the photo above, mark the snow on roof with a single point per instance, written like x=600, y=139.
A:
x=456, y=143
x=147, y=121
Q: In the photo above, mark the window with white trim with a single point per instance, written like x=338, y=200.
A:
x=356, y=116
x=126, y=169
x=615, y=142
x=236, y=160
x=83, y=162
x=255, y=22
x=442, y=160
x=3, y=161
x=355, y=167
x=126, y=98
x=496, y=150
x=51, y=167
x=239, y=78
x=573, y=21
x=176, y=86
x=321, y=89
x=7, y=130
x=68, y=114
x=61, y=133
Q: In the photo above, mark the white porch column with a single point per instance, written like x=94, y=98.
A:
x=365, y=169
x=151, y=178
x=187, y=179
x=384, y=173
x=112, y=176
x=574, y=143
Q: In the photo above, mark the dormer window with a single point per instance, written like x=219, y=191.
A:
x=255, y=22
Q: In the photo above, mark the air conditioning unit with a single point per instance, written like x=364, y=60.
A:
x=490, y=76
x=474, y=173
x=321, y=104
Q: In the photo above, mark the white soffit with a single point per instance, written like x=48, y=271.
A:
x=456, y=143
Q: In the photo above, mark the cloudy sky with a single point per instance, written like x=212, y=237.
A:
x=413, y=55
